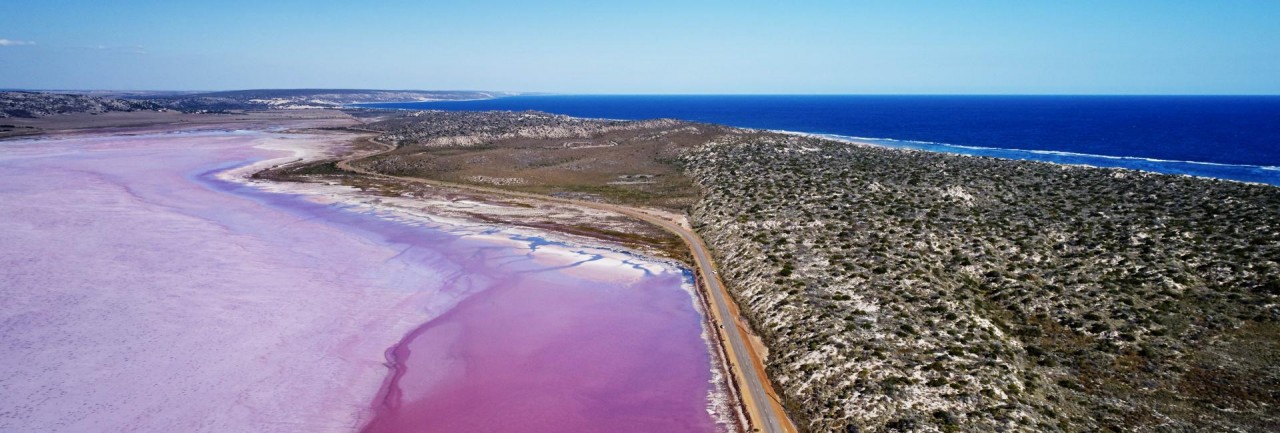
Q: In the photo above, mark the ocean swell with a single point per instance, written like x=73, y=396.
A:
x=1263, y=174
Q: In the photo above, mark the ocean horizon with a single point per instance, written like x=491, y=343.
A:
x=1225, y=137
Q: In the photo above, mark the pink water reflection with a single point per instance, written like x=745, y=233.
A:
x=549, y=353
x=142, y=293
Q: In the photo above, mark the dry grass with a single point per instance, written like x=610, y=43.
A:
x=626, y=166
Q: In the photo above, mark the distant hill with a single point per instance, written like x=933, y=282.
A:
x=40, y=104
x=354, y=95
x=326, y=98
x=36, y=104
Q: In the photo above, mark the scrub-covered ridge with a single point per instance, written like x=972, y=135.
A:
x=914, y=291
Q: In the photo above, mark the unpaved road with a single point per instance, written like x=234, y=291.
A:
x=763, y=407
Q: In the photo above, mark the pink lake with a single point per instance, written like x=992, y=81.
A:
x=142, y=288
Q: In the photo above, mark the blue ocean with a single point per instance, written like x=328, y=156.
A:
x=1227, y=137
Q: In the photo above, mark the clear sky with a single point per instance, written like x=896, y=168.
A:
x=660, y=46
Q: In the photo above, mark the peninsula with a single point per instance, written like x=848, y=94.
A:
x=898, y=289
x=845, y=286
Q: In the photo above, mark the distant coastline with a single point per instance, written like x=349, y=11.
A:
x=1221, y=137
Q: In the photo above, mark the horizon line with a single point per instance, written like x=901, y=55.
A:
x=543, y=93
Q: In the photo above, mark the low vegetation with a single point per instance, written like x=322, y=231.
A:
x=41, y=104
x=590, y=159
x=913, y=291
x=32, y=104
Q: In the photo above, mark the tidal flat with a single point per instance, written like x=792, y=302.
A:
x=149, y=287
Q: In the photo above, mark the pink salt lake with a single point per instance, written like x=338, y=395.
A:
x=144, y=289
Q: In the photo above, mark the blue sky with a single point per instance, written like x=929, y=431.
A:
x=745, y=46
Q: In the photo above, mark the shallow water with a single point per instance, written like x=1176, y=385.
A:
x=542, y=353
x=141, y=291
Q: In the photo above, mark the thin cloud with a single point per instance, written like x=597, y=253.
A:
x=136, y=49
x=14, y=43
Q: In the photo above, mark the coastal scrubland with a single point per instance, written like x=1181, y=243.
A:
x=628, y=162
x=24, y=113
x=913, y=291
x=531, y=152
x=32, y=104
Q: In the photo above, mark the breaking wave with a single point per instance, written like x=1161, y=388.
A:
x=1266, y=174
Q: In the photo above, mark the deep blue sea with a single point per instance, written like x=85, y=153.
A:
x=1229, y=137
